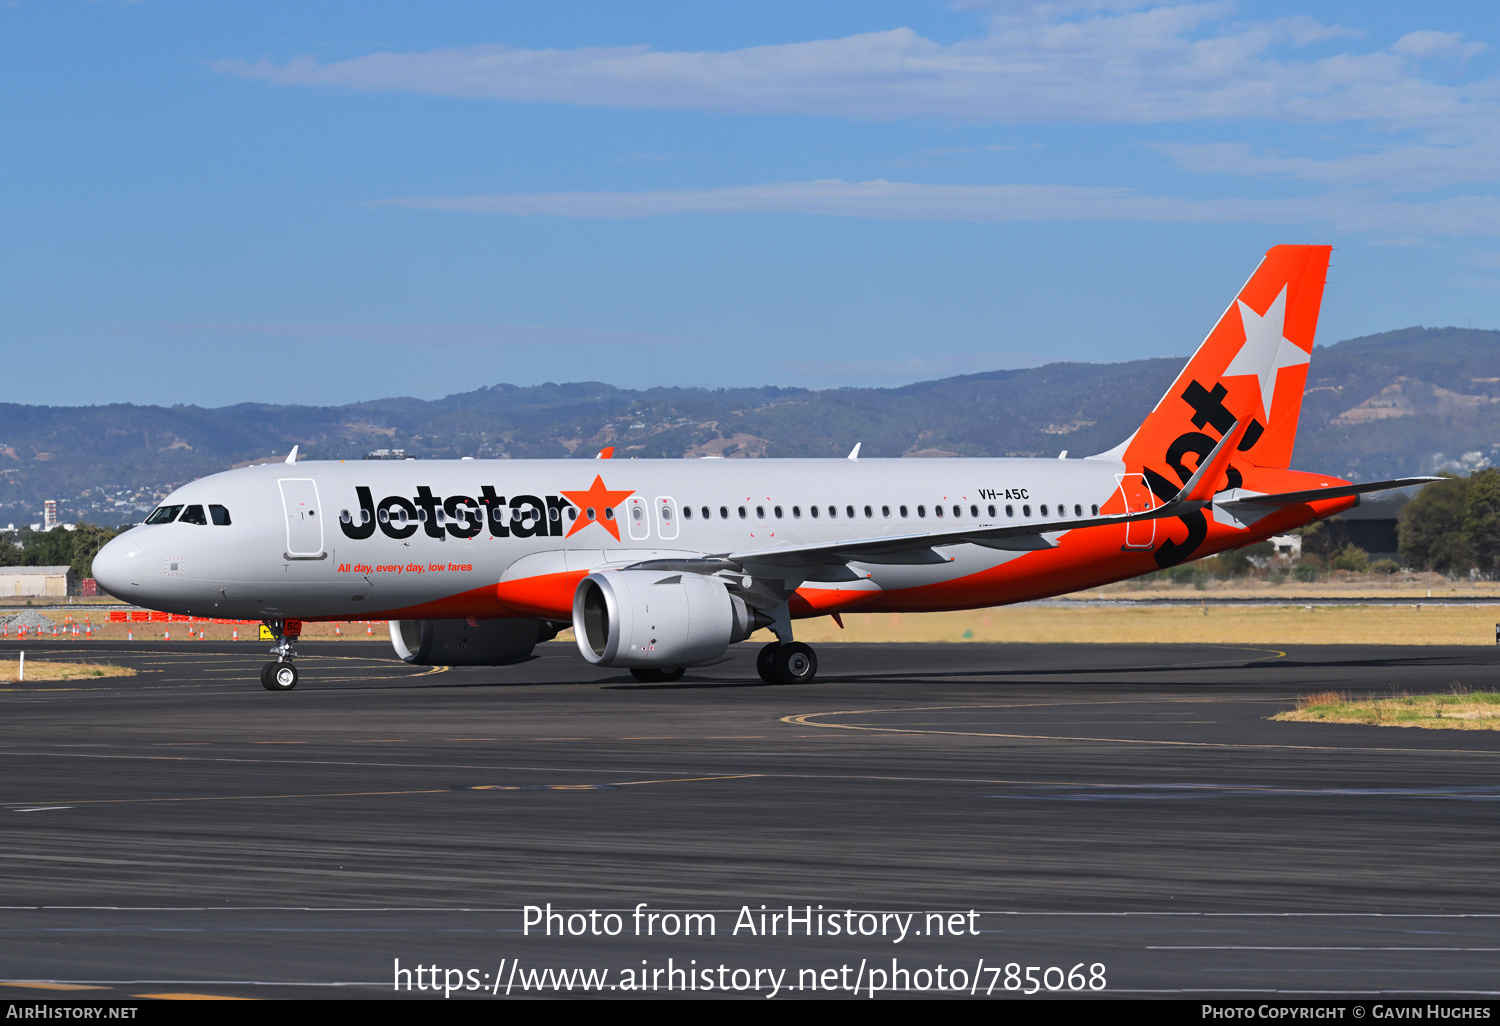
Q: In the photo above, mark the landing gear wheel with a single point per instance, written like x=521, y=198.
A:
x=278, y=677
x=765, y=662
x=651, y=675
x=795, y=663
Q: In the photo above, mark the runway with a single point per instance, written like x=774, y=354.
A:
x=1131, y=807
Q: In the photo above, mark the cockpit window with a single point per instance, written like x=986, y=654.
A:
x=163, y=514
x=220, y=515
x=193, y=515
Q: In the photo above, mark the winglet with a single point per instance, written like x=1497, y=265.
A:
x=291, y=457
x=854, y=452
x=1205, y=480
x=606, y=453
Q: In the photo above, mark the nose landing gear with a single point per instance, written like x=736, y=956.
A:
x=278, y=676
x=282, y=675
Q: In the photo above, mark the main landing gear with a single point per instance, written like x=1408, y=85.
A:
x=282, y=675
x=791, y=663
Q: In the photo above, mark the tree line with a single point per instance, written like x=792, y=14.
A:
x=58, y=547
x=1453, y=525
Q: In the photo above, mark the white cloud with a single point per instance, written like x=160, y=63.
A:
x=1428, y=165
x=1071, y=62
x=910, y=201
x=1437, y=44
x=484, y=335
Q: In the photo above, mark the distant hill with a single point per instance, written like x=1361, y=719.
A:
x=1401, y=402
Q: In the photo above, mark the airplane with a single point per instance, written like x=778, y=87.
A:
x=661, y=565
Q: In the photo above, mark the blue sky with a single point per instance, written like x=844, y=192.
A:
x=319, y=203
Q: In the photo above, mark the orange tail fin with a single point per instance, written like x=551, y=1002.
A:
x=1252, y=365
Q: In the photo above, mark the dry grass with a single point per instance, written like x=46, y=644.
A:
x=1291, y=624
x=1258, y=625
x=1458, y=710
x=43, y=669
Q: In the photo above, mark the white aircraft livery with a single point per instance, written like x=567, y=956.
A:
x=659, y=565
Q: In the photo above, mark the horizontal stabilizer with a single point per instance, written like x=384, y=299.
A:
x=1240, y=498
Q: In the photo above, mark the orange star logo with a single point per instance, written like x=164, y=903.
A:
x=596, y=501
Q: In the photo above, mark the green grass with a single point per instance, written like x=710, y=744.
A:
x=1456, y=710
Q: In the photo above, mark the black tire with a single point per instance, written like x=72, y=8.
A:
x=765, y=662
x=794, y=664
x=668, y=676
x=646, y=674
x=278, y=677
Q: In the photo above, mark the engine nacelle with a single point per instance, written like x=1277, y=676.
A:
x=459, y=643
x=655, y=618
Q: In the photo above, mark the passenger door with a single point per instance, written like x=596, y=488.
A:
x=1139, y=534
x=304, y=518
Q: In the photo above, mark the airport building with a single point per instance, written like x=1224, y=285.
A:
x=36, y=581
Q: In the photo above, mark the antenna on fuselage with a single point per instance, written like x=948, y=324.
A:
x=291, y=457
x=854, y=452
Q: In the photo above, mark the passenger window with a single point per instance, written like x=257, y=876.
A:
x=777, y=511
x=1077, y=510
x=743, y=513
x=885, y=511
x=1026, y=510
x=833, y=511
x=868, y=513
x=936, y=509
x=903, y=511
x=687, y=511
x=572, y=513
x=1044, y=509
x=163, y=514
x=849, y=510
x=193, y=515
x=1095, y=508
x=760, y=512
x=220, y=516
x=921, y=511
x=797, y=512
x=706, y=514
x=343, y=516
x=957, y=511
x=974, y=512
x=723, y=512
x=1010, y=511
x=992, y=509
x=813, y=510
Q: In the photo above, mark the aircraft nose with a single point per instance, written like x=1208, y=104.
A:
x=117, y=567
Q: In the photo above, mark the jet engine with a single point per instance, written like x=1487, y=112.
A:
x=467, y=643
x=652, y=618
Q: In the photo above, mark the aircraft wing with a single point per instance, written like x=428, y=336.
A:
x=921, y=548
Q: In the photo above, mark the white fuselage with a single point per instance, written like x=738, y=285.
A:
x=287, y=550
